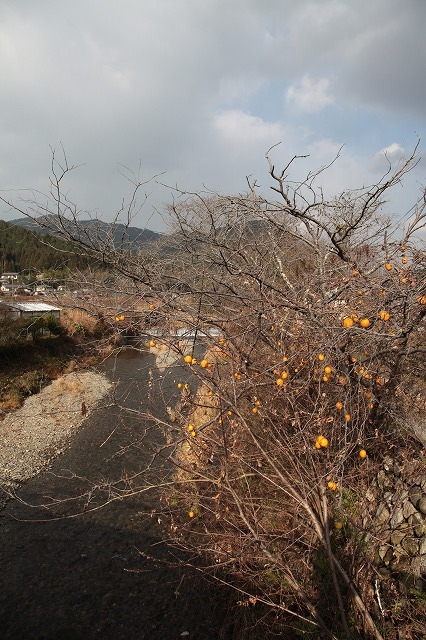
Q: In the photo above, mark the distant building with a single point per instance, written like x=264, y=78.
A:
x=9, y=287
x=9, y=276
x=42, y=289
x=15, y=310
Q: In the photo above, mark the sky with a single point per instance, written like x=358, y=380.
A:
x=196, y=91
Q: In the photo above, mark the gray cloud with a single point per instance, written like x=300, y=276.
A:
x=197, y=89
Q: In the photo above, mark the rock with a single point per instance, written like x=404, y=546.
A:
x=383, y=549
x=400, y=563
x=411, y=546
x=389, y=558
x=383, y=481
x=417, y=567
x=408, y=510
x=397, y=536
x=422, y=549
x=382, y=515
x=420, y=584
x=422, y=504
x=400, y=495
x=387, y=497
x=397, y=518
x=418, y=523
x=414, y=494
x=399, y=551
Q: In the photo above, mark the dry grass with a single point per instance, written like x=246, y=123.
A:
x=69, y=385
x=70, y=318
x=203, y=420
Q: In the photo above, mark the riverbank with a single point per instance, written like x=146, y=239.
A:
x=34, y=435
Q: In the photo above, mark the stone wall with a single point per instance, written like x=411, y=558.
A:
x=396, y=521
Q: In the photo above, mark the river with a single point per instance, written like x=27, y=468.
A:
x=86, y=577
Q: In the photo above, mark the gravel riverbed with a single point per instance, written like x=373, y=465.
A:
x=34, y=435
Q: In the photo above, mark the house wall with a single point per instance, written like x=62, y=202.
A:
x=38, y=314
x=10, y=313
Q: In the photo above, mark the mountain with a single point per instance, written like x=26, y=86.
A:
x=21, y=249
x=99, y=231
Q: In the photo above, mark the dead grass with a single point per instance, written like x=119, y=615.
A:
x=72, y=318
x=69, y=385
x=203, y=418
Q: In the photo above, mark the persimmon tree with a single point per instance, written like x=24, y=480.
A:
x=321, y=308
x=318, y=307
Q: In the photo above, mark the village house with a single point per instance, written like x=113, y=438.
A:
x=43, y=289
x=15, y=310
x=9, y=284
x=9, y=287
x=9, y=276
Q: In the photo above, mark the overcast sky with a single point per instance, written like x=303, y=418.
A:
x=200, y=89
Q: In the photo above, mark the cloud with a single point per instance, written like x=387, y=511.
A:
x=308, y=95
x=385, y=59
x=393, y=150
x=238, y=127
x=393, y=153
x=196, y=89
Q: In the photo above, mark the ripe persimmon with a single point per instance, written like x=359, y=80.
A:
x=323, y=442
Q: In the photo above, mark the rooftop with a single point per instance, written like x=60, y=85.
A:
x=32, y=306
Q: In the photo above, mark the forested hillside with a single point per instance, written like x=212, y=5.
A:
x=118, y=234
x=21, y=249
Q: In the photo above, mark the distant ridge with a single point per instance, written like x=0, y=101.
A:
x=23, y=249
x=120, y=234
